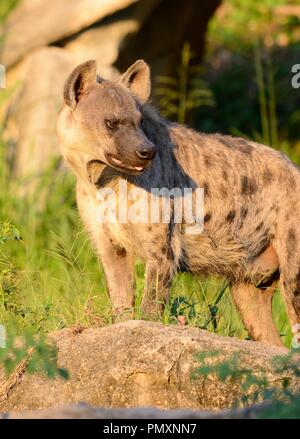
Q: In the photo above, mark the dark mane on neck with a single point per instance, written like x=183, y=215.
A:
x=165, y=170
x=155, y=126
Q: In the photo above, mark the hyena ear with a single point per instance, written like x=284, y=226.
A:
x=137, y=80
x=79, y=82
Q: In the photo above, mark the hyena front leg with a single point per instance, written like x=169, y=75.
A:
x=159, y=275
x=255, y=308
x=118, y=267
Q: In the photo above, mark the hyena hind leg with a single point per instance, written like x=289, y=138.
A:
x=255, y=308
x=157, y=289
x=289, y=260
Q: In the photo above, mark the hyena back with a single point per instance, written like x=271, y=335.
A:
x=109, y=134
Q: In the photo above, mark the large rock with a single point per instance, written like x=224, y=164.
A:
x=135, y=364
x=102, y=43
x=105, y=40
x=31, y=125
x=39, y=23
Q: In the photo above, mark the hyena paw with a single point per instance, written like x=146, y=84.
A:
x=296, y=336
x=122, y=314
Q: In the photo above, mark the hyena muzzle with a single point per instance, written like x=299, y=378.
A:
x=109, y=134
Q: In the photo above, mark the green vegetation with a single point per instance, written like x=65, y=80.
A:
x=33, y=352
x=51, y=278
x=6, y=6
x=179, y=96
x=252, y=46
x=256, y=386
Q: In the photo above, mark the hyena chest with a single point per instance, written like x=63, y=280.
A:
x=100, y=215
x=126, y=219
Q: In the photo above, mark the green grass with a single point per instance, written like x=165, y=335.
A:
x=6, y=6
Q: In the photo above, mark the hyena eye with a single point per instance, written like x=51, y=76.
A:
x=111, y=124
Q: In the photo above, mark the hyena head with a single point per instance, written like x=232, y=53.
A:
x=101, y=122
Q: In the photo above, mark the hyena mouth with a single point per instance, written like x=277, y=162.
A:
x=118, y=164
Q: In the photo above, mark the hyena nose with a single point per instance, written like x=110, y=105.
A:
x=146, y=152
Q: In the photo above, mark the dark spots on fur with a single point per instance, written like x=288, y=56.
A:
x=259, y=227
x=207, y=161
x=245, y=184
x=206, y=189
x=149, y=228
x=244, y=212
x=164, y=249
x=297, y=282
x=230, y=216
x=291, y=243
x=291, y=235
x=249, y=187
x=258, y=210
x=267, y=176
x=238, y=144
x=207, y=217
x=120, y=251
x=223, y=191
x=226, y=142
x=244, y=146
x=225, y=174
x=296, y=304
x=275, y=208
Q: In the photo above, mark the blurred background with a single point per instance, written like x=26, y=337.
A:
x=217, y=65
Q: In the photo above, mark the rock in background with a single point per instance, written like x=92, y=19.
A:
x=138, y=364
x=44, y=40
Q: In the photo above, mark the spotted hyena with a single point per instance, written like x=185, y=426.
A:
x=110, y=134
